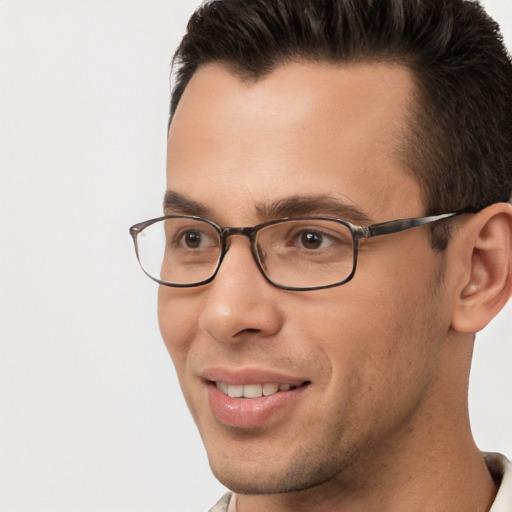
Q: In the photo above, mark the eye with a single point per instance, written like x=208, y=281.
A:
x=306, y=238
x=196, y=239
x=190, y=235
x=311, y=239
x=314, y=239
x=192, y=239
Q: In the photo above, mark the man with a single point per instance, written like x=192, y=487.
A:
x=318, y=124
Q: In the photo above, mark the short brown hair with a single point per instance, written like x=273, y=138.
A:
x=459, y=144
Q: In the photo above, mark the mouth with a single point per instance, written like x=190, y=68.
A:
x=253, y=391
x=253, y=399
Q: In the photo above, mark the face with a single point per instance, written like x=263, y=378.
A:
x=341, y=375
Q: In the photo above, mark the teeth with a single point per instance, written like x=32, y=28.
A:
x=252, y=390
x=270, y=389
x=223, y=387
x=235, y=391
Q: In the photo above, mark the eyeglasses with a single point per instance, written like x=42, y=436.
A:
x=306, y=253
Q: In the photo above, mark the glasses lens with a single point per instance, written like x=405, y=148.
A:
x=306, y=253
x=181, y=250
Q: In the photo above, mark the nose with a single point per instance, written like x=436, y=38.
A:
x=240, y=303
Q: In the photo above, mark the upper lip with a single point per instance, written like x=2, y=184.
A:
x=247, y=376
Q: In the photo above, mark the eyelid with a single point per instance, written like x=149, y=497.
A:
x=292, y=229
x=205, y=230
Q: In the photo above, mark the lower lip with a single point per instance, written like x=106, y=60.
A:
x=249, y=412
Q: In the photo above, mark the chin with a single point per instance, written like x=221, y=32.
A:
x=265, y=478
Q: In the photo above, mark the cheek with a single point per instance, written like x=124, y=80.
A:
x=381, y=350
x=177, y=318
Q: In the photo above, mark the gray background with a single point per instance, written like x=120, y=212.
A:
x=91, y=416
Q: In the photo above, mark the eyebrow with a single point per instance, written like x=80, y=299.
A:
x=176, y=203
x=293, y=206
x=323, y=205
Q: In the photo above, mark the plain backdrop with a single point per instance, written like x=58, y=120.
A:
x=91, y=415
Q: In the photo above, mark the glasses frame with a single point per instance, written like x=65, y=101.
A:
x=358, y=233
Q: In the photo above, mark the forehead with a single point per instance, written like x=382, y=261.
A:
x=305, y=128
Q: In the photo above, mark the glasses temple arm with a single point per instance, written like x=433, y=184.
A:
x=395, y=226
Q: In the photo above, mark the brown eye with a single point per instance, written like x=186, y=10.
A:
x=311, y=240
x=192, y=239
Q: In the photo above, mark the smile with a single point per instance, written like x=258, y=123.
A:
x=252, y=390
x=250, y=398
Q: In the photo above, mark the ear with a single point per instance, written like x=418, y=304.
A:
x=484, y=249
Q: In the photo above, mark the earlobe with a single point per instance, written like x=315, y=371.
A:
x=486, y=254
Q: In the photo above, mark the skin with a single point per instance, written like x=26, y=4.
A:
x=383, y=423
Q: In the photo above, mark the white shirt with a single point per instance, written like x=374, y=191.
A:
x=501, y=471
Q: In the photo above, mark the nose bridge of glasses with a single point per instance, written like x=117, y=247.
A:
x=244, y=231
x=247, y=232
x=250, y=234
